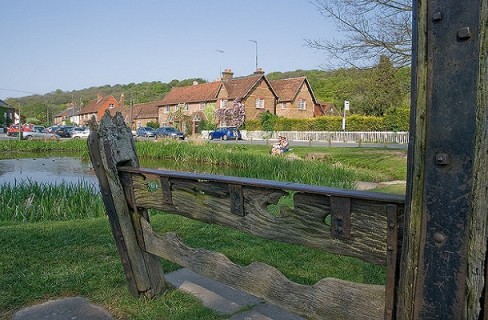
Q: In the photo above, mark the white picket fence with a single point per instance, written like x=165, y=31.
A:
x=328, y=136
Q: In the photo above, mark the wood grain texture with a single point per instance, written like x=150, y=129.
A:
x=110, y=145
x=327, y=299
x=304, y=224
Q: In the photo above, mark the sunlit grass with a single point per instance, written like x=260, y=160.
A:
x=31, y=201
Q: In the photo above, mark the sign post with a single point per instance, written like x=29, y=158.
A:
x=346, y=108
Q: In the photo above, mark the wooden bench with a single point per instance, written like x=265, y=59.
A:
x=363, y=225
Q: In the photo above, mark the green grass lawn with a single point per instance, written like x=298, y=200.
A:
x=49, y=260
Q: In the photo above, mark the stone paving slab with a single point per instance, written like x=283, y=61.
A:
x=214, y=295
x=226, y=300
x=64, y=309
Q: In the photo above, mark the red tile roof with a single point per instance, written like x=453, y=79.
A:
x=146, y=110
x=238, y=88
x=95, y=105
x=195, y=93
x=287, y=89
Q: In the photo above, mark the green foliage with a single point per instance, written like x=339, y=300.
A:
x=328, y=123
x=153, y=124
x=268, y=121
x=209, y=122
x=373, y=92
x=398, y=119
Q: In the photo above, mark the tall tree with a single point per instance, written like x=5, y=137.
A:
x=383, y=89
x=370, y=27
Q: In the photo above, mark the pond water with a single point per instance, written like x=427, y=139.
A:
x=46, y=170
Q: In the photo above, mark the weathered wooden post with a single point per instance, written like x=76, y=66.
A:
x=111, y=144
x=443, y=268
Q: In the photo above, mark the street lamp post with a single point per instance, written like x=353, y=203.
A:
x=220, y=62
x=256, y=43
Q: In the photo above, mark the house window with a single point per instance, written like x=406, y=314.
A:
x=167, y=109
x=223, y=103
x=111, y=106
x=302, y=104
x=259, y=103
x=283, y=105
x=202, y=105
x=186, y=107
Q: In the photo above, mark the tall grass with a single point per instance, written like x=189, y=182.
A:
x=225, y=159
x=30, y=201
x=71, y=145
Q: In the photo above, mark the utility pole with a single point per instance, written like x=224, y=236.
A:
x=256, y=43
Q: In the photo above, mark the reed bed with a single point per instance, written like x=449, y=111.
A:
x=30, y=201
x=224, y=159
x=71, y=145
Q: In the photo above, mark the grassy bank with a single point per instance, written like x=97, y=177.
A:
x=47, y=260
x=335, y=167
x=56, y=241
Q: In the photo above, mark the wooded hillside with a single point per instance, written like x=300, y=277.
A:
x=372, y=91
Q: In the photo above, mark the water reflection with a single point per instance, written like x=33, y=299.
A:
x=55, y=169
x=47, y=170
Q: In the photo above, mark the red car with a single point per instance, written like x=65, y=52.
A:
x=13, y=130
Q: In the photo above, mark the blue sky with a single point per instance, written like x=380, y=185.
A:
x=76, y=44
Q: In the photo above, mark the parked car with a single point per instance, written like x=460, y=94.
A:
x=78, y=129
x=145, y=132
x=80, y=134
x=225, y=133
x=170, y=132
x=52, y=129
x=64, y=131
x=13, y=130
x=39, y=132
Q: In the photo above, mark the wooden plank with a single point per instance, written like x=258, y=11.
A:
x=110, y=144
x=327, y=299
x=266, y=184
x=444, y=253
x=305, y=224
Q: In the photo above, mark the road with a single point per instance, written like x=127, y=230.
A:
x=3, y=136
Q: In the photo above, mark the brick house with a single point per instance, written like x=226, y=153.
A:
x=7, y=114
x=254, y=91
x=296, y=98
x=192, y=99
x=326, y=109
x=97, y=108
x=139, y=114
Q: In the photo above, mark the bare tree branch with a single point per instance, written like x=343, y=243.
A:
x=371, y=28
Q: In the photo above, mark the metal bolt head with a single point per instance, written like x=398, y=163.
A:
x=441, y=159
x=437, y=16
x=464, y=33
x=439, y=237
